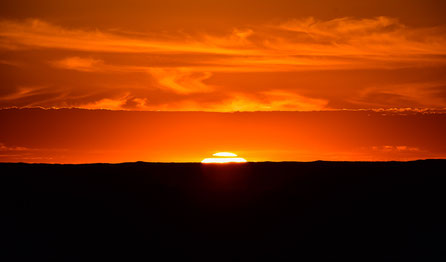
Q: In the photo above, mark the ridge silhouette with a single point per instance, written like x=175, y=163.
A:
x=257, y=211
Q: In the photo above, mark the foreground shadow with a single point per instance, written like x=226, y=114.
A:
x=252, y=211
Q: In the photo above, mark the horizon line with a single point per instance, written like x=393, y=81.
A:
x=223, y=164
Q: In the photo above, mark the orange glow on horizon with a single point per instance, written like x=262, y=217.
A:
x=214, y=160
x=91, y=136
x=224, y=158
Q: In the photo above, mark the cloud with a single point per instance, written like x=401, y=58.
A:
x=375, y=37
x=181, y=80
x=4, y=147
x=272, y=100
x=196, y=71
x=264, y=101
x=394, y=149
x=79, y=64
x=290, y=45
x=28, y=96
x=414, y=94
x=35, y=33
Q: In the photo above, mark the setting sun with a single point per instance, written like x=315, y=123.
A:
x=226, y=154
x=224, y=157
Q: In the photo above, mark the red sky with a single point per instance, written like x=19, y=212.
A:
x=223, y=56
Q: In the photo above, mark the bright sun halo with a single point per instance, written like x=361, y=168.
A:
x=224, y=157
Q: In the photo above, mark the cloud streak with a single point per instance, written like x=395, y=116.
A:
x=295, y=43
x=79, y=64
x=179, y=71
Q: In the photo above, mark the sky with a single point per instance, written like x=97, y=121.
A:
x=223, y=56
x=91, y=136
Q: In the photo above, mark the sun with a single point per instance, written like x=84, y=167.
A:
x=223, y=158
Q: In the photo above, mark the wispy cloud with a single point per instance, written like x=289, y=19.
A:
x=388, y=148
x=36, y=33
x=181, y=80
x=178, y=71
x=79, y=64
x=4, y=147
x=289, y=45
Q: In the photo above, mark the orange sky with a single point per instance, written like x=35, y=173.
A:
x=85, y=136
x=222, y=56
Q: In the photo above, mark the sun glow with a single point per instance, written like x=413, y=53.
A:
x=225, y=154
x=224, y=157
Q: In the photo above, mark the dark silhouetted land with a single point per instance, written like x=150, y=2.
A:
x=247, y=212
